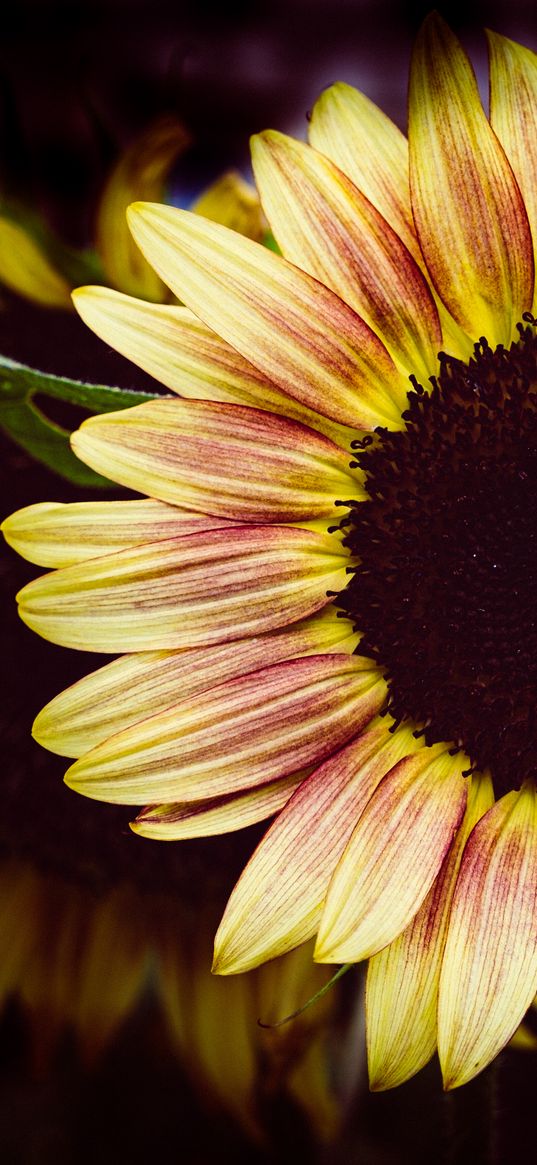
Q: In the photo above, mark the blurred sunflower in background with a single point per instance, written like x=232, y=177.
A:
x=345, y=639
x=40, y=267
x=81, y=959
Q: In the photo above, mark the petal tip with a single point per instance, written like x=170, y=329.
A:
x=221, y=966
x=138, y=212
x=377, y=1084
x=323, y=953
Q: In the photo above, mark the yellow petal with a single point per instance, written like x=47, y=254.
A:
x=221, y=459
x=57, y=534
x=172, y=345
x=226, y=814
x=234, y=203
x=329, y=229
x=372, y=151
x=393, y=856
x=245, y=733
x=402, y=980
x=469, y=214
x=489, y=972
x=110, y=967
x=137, y=686
x=185, y=592
x=513, y=114
x=25, y=268
x=277, y=902
x=140, y=173
x=363, y=142
x=294, y=330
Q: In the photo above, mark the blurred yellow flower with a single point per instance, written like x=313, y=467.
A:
x=81, y=960
x=41, y=273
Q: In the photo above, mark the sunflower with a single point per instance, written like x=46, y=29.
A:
x=345, y=640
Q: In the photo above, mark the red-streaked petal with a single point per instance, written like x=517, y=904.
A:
x=513, y=115
x=218, y=815
x=245, y=733
x=174, y=346
x=469, y=213
x=328, y=228
x=363, y=142
x=222, y=459
x=297, y=332
x=402, y=980
x=393, y=856
x=58, y=534
x=277, y=902
x=489, y=971
x=139, y=685
x=187, y=592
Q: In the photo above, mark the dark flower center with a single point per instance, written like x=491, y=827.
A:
x=445, y=591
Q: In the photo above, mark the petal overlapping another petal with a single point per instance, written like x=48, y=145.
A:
x=407, y=825
x=489, y=971
x=278, y=900
x=185, y=592
x=222, y=459
x=292, y=328
x=141, y=684
x=367, y=146
x=245, y=733
x=58, y=534
x=513, y=115
x=402, y=980
x=327, y=227
x=225, y=814
x=469, y=212
x=174, y=346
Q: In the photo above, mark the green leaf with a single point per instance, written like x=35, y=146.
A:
x=47, y=443
x=42, y=438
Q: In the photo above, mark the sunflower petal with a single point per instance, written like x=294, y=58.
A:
x=235, y=462
x=513, y=115
x=469, y=213
x=408, y=825
x=140, y=173
x=218, y=815
x=234, y=203
x=489, y=972
x=139, y=685
x=363, y=142
x=329, y=229
x=247, y=732
x=172, y=345
x=278, y=899
x=26, y=269
x=297, y=332
x=402, y=980
x=186, y=592
x=57, y=534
